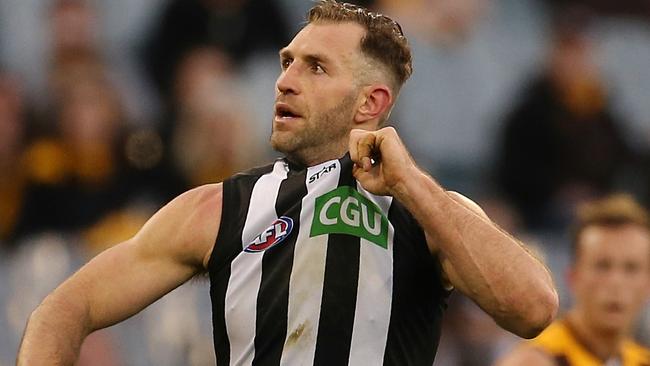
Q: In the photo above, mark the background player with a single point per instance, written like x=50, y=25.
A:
x=610, y=280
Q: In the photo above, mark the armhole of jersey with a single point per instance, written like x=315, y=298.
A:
x=223, y=234
x=234, y=207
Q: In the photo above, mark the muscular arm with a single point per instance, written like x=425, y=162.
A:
x=478, y=258
x=174, y=245
x=481, y=260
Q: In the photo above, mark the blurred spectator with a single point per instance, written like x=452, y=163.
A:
x=73, y=26
x=33, y=32
x=637, y=8
x=239, y=27
x=439, y=21
x=561, y=144
x=468, y=63
x=212, y=138
x=76, y=172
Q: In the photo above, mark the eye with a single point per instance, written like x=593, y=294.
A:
x=317, y=68
x=603, y=265
x=285, y=63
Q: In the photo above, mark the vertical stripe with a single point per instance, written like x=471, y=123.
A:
x=273, y=297
x=374, y=295
x=236, y=200
x=218, y=286
x=339, y=291
x=246, y=269
x=306, y=285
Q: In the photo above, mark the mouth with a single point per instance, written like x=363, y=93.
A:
x=614, y=307
x=285, y=112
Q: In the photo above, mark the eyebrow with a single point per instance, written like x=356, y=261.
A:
x=310, y=58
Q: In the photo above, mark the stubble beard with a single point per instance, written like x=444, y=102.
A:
x=324, y=136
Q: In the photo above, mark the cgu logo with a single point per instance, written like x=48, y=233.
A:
x=346, y=211
x=322, y=172
x=273, y=235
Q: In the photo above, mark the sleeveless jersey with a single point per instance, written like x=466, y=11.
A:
x=310, y=269
x=560, y=341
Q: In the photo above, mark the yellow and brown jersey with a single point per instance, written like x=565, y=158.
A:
x=561, y=342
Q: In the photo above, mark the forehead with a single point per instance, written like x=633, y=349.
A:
x=338, y=41
x=615, y=242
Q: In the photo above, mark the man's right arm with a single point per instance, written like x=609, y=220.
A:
x=172, y=247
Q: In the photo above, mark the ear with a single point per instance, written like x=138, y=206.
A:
x=376, y=101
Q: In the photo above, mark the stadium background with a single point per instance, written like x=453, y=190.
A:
x=110, y=108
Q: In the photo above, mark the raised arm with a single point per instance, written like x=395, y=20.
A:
x=478, y=258
x=172, y=247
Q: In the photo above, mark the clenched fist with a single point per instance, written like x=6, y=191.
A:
x=382, y=163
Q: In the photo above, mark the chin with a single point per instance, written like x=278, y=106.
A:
x=279, y=144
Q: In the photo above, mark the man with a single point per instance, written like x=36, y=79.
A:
x=610, y=279
x=323, y=257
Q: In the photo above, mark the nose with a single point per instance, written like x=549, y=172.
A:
x=616, y=280
x=288, y=82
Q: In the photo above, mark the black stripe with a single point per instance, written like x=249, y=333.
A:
x=339, y=291
x=273, y=297
x=236, y=199
x=418, y=296
x=218, y=286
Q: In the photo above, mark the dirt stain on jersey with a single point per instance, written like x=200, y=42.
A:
x=295, y=335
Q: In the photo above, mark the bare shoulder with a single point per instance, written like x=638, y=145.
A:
x=526, y=355
x=186, y=228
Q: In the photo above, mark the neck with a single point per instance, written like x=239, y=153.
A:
x=601, y=343
x=315, y=155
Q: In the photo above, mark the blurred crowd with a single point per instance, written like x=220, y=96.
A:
x=108, y=109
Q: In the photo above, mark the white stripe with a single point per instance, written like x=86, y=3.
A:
x=246, y=268
x=307, y=276
x=374, y=295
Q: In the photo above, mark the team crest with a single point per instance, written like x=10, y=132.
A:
x=273, y=235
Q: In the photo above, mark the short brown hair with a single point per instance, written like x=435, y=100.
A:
x=611, y=211
x=384, y=40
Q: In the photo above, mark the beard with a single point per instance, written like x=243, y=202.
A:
x=324, y=132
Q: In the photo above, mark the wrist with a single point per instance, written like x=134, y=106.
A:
x=411, y=182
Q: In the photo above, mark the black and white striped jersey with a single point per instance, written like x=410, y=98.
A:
x=311, y=269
